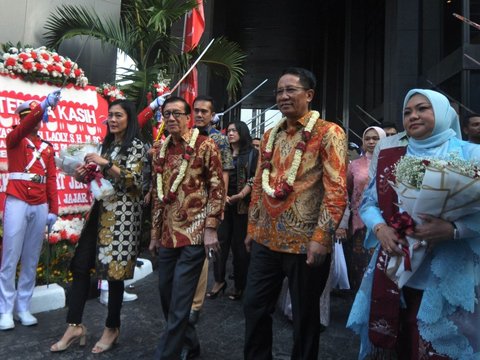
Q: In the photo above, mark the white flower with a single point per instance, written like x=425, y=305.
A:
x=105, y=254
x=183, y=167
x=297, y=157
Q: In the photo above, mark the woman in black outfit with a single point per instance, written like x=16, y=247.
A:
x=233, y=229
x=109, y=240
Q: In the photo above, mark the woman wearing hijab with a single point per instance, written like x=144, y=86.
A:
x=357, y=181
x=436, y=314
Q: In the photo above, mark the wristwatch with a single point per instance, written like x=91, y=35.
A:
x=108, y=166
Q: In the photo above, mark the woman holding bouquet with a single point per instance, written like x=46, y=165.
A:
x=109, y=240
x=435, y=314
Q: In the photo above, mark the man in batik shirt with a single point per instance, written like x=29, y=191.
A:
x=298, y=199
x=204, y=112
x=188, y=193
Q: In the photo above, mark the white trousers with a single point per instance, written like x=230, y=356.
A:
x=23, y=234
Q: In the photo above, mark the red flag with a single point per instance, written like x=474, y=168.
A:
x=194, y=27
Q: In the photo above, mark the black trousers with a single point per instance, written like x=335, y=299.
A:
x=231, y=235
x=82, y=262
x=265, y=276
x=179, y=270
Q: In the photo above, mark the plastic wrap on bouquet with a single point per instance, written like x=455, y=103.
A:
x=445, y=193
x=100, y=187
x=73, y=156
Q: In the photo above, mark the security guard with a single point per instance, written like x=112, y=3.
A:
x=30, y=205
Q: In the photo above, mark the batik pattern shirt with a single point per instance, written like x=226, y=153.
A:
x=315, y=207
x=224, y=147
x=199, y=198
x=120, y=215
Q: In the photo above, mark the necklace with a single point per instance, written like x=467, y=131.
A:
x=285, y=187
x=189, y=150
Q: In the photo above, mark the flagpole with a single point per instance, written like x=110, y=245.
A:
x=246, y=96
x=192, y=67
x=183, y=40
x=265, y=122
x=467, y=21
x=263, y=112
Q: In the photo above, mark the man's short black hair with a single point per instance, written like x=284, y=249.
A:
x=256, y=138
x=307, y=79
x=205, y=98
x=172, y=99
x=466, y=119
x=388, y=124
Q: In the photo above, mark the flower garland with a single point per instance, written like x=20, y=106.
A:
x=41, y=64
x=189, y=150
x=286, y=187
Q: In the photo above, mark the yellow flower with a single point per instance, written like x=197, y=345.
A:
x=116, y=270
x=105, y=236
x=107, y=219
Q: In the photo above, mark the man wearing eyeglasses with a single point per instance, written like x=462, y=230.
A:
x=188, y=195
x=204, y=113
x=298, y=199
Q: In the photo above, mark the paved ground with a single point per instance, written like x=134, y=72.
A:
x=220, y=330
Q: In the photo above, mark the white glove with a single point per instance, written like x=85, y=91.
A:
x=51, y=219
x=155, y=104
x=51, y=100
x=216, y=118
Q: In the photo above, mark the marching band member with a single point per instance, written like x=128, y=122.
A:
x=30, y=205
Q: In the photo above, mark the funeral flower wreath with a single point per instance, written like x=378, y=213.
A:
x=41, y=64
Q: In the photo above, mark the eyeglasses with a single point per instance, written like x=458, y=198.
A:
x=289, y=90
x=176, y=114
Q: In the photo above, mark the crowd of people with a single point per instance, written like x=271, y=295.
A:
x=277, y=204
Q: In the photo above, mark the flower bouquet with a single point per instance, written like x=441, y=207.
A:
x=73, y=156
x=445, y=188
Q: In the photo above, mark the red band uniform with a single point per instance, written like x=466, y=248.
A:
x=31, y=197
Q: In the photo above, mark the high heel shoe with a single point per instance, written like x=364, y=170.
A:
x=236, y=295
x=101, y=347
x=213, y=294
x=64, y=345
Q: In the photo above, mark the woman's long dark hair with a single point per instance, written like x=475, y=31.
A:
x=245, y=141
x=132, y=130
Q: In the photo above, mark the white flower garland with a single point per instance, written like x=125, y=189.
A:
x=181, y=173
x=282, y=191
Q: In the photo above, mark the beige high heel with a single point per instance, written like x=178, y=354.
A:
x=64, y=345
x=101, y=347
